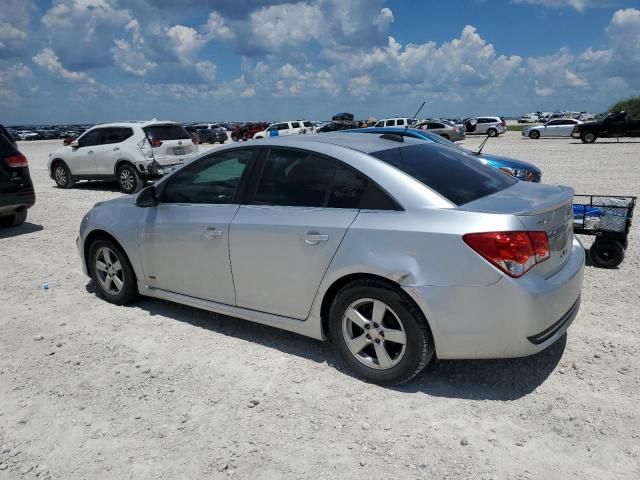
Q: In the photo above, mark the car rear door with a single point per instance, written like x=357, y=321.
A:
x=184, y=240
x=283, y=239
x=108, y=152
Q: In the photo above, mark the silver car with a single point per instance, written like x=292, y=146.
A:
x=395, y=249
x=443, y=128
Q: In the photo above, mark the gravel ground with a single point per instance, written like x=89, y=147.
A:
x=158, y=390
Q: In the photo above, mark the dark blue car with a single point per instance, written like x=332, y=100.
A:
x=516, y=168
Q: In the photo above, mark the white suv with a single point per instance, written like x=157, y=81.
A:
x=393, y=122
x=130, y=153
x=492, y=126
x=286, y=128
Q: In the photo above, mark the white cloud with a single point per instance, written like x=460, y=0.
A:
x=186, y=41
x=207, y=70
x=216, y=27
x=579, y=5
x=16, y=83
x=15, y=16
x=130, y=55
x=48, y=60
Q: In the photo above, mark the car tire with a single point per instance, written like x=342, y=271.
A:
x=492, y=132
x=128, y=179
x=112, y=273
x=394, y=362
x=534, y=134
x=62, y=175
x=588, y=137
x=606, y=253
x=14, y=220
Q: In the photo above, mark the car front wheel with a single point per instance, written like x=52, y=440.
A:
x=112, y=273
x=380, y=333
x=62, y=175
x=534, y=134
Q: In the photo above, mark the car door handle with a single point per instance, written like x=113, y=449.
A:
x=115, y=149
x=314, y=238
x=213, y=232
x=89, y=152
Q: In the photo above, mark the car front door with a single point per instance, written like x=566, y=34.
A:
x=184, y=240
x=283, y=241
x=81, y=159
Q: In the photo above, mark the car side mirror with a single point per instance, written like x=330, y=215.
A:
x=74, y=144
x=147, y=197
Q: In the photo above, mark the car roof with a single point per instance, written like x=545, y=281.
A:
x=405, y=132
x=141, y=123
x=362, y=142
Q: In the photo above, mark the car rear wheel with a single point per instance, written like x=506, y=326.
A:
x=380, y=333
x=13, y=220
x=128, y=179
x=112, y=273
x=492, y=132
x=62, y=175
x=534, y=134
x=588, y=137
x=606, y=253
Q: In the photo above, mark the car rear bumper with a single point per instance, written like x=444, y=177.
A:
x=510, y=318
x=16, y=202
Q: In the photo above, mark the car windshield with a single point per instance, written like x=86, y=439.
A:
x=455, y=176
x=166, y=132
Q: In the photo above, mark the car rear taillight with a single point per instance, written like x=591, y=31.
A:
x=515, y=253
x=16, y=161
x=156, y=143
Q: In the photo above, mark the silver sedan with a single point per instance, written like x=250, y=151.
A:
x=395, y=249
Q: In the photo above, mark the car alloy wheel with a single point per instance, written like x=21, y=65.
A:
x=374, y=334
x=127, y=180
x=109, y=271
x=534, y=134
x=61, y=175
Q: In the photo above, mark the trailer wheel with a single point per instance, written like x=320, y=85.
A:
x=606, y=253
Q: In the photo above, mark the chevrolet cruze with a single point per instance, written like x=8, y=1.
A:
x=395, y=249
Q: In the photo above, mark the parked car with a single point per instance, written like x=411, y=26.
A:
x=562, y=127
x=334, y=126
x=392, y=249
x=195, y=138
x=393, y=122
x=246, y=131
x=444, y=129
x=529, y=118
x=16, y=189
x=520, y=169
x=286, y=128
x=617, y=124
x=491, y=126
x=211, y=133
x=129, y=153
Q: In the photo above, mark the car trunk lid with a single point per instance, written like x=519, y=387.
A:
x=539, y=207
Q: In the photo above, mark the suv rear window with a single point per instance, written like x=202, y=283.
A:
x=166, y=132
x=456, y=176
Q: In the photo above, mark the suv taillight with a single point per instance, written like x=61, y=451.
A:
x=16, y=161
x=515, y=253
x=156, y=143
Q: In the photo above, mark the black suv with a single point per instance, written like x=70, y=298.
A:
x=16, y=190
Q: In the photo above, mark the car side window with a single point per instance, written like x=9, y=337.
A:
x=283, y=126
x=295, y=125
x=391, y=123
x=347, y=189
x=90, y=139
x=110, y=135
x=294, y=178
x=379, y=124
x=213, y=180
x=400, y=122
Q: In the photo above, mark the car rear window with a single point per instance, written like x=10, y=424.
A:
x=166, y=132
x=456, y=176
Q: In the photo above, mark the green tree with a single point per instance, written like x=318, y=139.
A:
x=630, y=105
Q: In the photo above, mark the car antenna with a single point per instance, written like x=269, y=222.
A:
x=414, y=117
x=482, y=145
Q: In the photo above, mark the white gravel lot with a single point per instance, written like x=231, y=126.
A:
x=156, y=390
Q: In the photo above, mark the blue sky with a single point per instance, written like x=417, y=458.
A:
x=101, y=60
